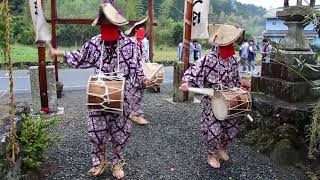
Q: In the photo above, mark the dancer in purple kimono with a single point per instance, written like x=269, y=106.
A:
x=217, y=67
x=105, y=126
x=137, y=34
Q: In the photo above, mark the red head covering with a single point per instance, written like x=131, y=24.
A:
x=109, y=32
x=140, y=34
x=226, y=51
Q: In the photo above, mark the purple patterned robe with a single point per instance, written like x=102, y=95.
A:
x=104, y=126
x=137, y=93
x=206, y=73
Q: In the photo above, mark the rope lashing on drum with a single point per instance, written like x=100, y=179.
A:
x=13, y=139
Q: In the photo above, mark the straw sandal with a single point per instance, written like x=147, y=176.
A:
x=213, y=161
x=140, y=120
x=117, y=170
x=98, y=170
x=223, y=155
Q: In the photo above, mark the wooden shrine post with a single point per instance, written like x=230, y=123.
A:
x=180, y=67
x=42, y=73
x=54, y=34
x=151, y=24
x=187, y=38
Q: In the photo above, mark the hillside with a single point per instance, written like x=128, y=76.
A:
x=168, y=14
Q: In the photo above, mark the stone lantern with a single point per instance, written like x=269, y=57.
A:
x=283, y=100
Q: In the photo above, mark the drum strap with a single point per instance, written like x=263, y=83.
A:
x=101, y=59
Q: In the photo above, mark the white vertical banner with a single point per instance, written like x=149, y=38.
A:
x=40, y=25
x=200, y=19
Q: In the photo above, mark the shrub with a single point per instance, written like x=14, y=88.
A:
x=34, y=138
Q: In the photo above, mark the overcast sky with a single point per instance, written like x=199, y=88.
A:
x=270, y=3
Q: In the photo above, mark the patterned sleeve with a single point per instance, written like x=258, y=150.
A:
x=83, y=58
x=236, y=74
x=138, y=75
x=195, y=75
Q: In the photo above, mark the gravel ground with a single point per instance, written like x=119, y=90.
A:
x=170, y=147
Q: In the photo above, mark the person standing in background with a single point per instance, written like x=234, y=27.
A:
x=266, y=51
x=197, y=50
x=145, y=43
x=180, y=52
x=244, y=49
x=252, y=56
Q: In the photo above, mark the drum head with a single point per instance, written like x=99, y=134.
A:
x=219, y=107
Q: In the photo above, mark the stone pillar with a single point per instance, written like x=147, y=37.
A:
x=177, y=78
x=286, y=3
x=296, y=39
x=312, y=3
x=178, y=95
x=35, y=88
x=51, y=89
x=299, y=2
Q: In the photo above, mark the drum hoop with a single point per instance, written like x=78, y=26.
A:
x=106, y=110
x=105, y=101
x=104, y=107
x=117, y=78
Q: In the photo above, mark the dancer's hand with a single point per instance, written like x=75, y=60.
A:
x=55, y=52
x=148, y=82
x=184, y=87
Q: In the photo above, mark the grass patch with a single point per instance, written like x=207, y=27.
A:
x=24, y=53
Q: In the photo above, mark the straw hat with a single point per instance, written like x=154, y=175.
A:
x=144, y=22
x=223, y=35
x=111, y=14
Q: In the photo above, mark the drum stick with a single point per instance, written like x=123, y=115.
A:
x=204, y=91
x=156, y=72
x=250, y=118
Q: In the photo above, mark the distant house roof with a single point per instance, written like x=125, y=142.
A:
x=272, y=12
x=284, y=33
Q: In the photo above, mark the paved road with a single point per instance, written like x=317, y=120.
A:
x=73, y=79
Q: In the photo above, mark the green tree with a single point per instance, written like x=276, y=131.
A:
x=165, y=9
x=134, y=9
x=177, y=33
x=2, y=34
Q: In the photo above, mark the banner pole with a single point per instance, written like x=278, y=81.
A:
x=187, y=38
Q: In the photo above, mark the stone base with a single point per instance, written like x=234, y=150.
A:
x=284, y=90
x=279, y=71
x=280, y=112
x=289, y=57
x=278, y=128
x=51, y=88
x=178, y=95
